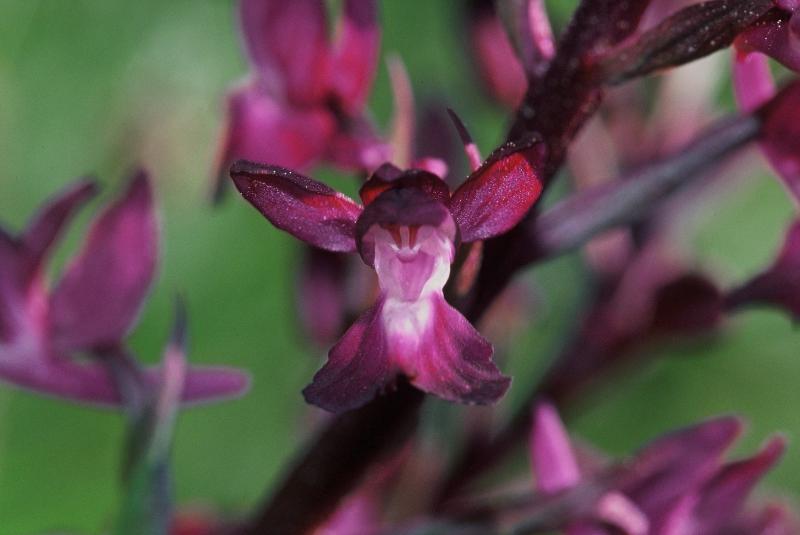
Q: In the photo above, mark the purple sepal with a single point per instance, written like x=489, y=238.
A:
x=552, y=458
x=288, y=44
x=305, y=208
x=454, y=361
x=779, y=285
x=498, y=194
x=100, y=294
x=358, y=367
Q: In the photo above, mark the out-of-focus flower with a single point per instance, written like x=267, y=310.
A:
x=407, y=230
x=502, y=68
x=677, y=485
x=776, y=35
x=305, y=100
x=92, y=307
x=778, y=285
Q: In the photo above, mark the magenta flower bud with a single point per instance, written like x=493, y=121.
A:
x=408, y=231
x=93, y=306
x=306, y=98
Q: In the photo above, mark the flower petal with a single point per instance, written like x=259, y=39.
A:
x=305, y=208
x=321, y=294
x=454, y=362
x=260, y=129
x=390, y=177
x=497, y=196
x=780, y=284
x=45, y=227
x=358, y=367
x=99, y=296
x=355, y=57
x=288, y=44
x=752, y=80
x=552, y=458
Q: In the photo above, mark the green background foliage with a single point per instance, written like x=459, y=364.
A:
x=100, y=86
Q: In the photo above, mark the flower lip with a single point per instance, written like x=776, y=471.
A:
x=409, y=207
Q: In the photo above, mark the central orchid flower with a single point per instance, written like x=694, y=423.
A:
x=408, y=230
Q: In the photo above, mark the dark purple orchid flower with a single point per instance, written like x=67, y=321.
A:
x=92, y=307
x=408, y=231
x=676, y=485
x=306, y=98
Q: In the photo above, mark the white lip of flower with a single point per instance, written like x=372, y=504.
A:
x=413, y=265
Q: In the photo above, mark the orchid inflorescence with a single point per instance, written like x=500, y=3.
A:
x=441, y=255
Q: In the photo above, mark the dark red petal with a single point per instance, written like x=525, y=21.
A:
x=496, y=196
x=358, y=367
x=288, y=44
x=356, y=53
x=388, y=176
x=780, y=284
x=780, y=137
x=305, y=208
x=45, y=227
x=777, y=36
x=455, y=361
x=99, y=296
x=405, y=207
x=259, y=129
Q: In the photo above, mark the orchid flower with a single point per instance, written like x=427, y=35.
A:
x=408, y=231
x=92, y=307
x=306, y=98
x=676, y=485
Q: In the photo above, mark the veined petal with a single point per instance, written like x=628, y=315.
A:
x=305, y=208
x=258, y=128
x=452, y=360
x=288, y=44
x=497, y=196
x=358, y=367
x=356, y=52
x=99, y=296
x=552, y=458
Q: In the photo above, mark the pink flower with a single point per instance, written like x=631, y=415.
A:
x=306, y=98
x=93, y=306
x=408, y=230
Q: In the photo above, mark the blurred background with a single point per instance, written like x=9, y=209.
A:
x=97, y=87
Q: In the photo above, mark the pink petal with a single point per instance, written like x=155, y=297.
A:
x=98, y=298
x=780, y=284
x=780, y=139
x=355, y=58
x=454, y=362
x=357, y=147
x=358, y=367
x=499, y=194
x=752, y=80
x=288, y=44
x=552, y=458
x=305, y=208
x=260, y=129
